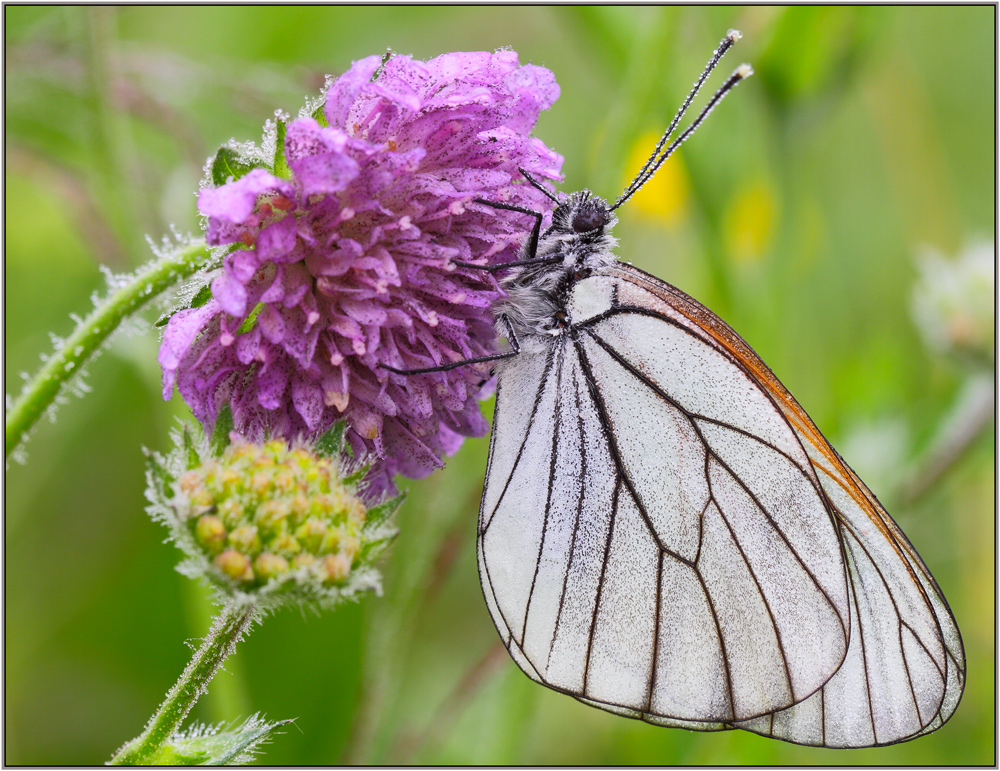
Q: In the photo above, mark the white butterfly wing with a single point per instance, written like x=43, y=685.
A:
x=653, y=537
x=904, y=670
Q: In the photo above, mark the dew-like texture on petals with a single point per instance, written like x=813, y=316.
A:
x=349, y=263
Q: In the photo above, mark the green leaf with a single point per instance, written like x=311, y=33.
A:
x=371, y=549
x=220, y=433
x=331, y=444
x=190, y=449
x=200, y=746
x=319, y=115
x=280, y=164
x=162, y=478
x=201, y=297
x=352, y=480
x=810, y=51
x=171, y=755
x=227, y=166
x=250, y=321
x=378, y=514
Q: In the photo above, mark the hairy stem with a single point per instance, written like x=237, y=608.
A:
x=92, y=332
x=228, y=629
x=973, y=410
x=229, y=695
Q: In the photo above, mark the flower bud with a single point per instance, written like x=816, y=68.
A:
x=336, y=567
x=245, y=539
x=286, y=545
x=231, y=512
x=190, y=482
x=271, y=522
x=270, y=566
x=234, y=565
x=349, y=548
x=311, y=534
x=210, y=533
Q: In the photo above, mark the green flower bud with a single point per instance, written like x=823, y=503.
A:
x=234, y=565
x=270, y=566
x=260, y=484
x=231, y=511
x=271, y=515
x=311, y=534
x=285, y=544
x=210, y=533
x=271, y=523
x=349, y=548
x=245, y=539
x=331, y=541
x=335, y=568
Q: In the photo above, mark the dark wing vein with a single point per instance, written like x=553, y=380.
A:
x=527, y=432
x=557, y=409
x=822, y=713
x=709, y=451
x=760, y=591
x=722, y=645
x=701, y=521
x=902, y=650
x=579, y=511
x=656, y=634
x=864, y=656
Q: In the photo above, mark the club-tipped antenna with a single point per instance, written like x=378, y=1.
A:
x=538, y=185
x=643, y=174
x=742, y=72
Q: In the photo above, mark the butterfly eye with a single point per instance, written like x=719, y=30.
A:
x=589, y=217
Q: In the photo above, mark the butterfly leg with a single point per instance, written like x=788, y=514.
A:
x=532, y=241
x=515, y=349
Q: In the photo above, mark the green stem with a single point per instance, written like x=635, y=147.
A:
x=91, y=334
x=221, y=640
x=229, y=695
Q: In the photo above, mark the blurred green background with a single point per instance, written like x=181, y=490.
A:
x=796, y=213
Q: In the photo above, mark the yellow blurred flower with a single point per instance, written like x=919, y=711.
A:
x=750, y=221
x=665, y=197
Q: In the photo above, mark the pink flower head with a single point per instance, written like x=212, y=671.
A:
x=348, y=263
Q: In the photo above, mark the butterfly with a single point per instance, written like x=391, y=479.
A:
x=665, y=534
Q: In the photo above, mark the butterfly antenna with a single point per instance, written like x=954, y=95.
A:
x=538, y=185
x=643, y=174
x=742, y=72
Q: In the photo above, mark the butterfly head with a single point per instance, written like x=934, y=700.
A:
x=583, y=214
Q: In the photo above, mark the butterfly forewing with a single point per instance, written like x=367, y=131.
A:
x=904, y=669
x=625, y=558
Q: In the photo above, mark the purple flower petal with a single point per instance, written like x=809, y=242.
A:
x=230, y=293
x=234, y=203
x=182, y=329
x=352, y=261
x=342, y=93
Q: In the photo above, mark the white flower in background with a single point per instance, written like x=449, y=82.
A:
x=953, y=302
